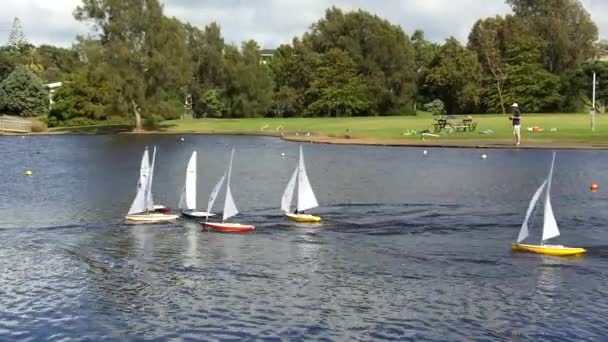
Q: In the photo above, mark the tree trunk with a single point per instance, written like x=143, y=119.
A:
x=501, y=97
x=138, y=126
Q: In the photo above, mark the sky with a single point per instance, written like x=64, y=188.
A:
x=273, y=22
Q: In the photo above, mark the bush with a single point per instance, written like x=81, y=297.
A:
x=151, y=122
x=38, y=126
x=22, y=93
x=436, y=107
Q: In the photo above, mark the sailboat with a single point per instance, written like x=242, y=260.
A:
x=230, y=209
x=143, y=209
x=550, y=229
x=306, y=197
x=187, y=200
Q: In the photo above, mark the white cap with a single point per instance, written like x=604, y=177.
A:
x=514, y=105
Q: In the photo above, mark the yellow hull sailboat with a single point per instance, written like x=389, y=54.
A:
x=556, y=250
x=306, y=199
x=550, y=229
x=303, y=218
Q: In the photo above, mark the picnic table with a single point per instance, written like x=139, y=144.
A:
x=467, y=124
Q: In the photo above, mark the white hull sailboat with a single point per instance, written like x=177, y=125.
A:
x=187, y=200
x=550, y=229
x=143, y=209
x=230, y=209
x=306, y=199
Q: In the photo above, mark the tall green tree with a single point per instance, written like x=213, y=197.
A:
x=578, y=86
x=22, y=93
x=248, y=91
x=528, y=83
x=424, y=54
x=455, y=77
x=565, y=28
x=487, y=40
x=146, y=51
x=337, y=90
x=16, y=38
x=382, y=52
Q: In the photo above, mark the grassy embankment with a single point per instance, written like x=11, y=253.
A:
x=570, y=130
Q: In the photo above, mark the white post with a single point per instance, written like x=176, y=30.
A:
x=593, y=104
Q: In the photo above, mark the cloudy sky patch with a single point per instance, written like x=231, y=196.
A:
x=273, y=22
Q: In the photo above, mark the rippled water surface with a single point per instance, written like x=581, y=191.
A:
x=411, y=247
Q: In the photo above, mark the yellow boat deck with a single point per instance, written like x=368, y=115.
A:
x=303, y=218
x=548, y=249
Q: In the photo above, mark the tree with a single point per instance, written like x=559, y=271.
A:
x=56, y=62
x=146, y=52
x=337, y=90
x=22, y=93
x=8, y=62
x=455, y=76
x=248, y=90
x=577, y=86
x=487, y=40
x=382, y=53
x=564, y=27
x=16, y=38
x=528, y=82
x=424, y=53
x=209, y=104
x=293, y=69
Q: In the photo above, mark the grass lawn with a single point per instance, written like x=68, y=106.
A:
x=571, y=129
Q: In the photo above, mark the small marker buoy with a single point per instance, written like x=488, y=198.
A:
x=182, y=139
x=28, y=173
x=484, y=156
x=283, y=154
x=594, y=187
x=425, y=152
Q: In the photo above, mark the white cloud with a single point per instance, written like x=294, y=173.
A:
x=272, y=22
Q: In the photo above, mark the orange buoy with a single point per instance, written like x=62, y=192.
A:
x=594, y=187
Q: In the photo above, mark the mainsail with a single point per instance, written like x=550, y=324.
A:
x=523, y=233
x=550, y=229
x=229, y=206
x=214, y=193
x=306, y=197
x=139, y=203
x=149, y=199
x=187, y=199
x=288, y=194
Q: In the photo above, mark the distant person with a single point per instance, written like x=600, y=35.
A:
x=516, y=120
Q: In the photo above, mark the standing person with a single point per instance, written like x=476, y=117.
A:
x=516, y=120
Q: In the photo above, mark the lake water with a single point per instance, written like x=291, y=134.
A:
x=412, y=247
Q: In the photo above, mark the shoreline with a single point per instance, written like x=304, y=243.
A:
x=362, y=141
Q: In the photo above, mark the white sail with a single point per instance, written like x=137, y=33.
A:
x=187, y=199
x=306, y=197
x=139, y=203
x=229, y=206
x=149, y=199
x=288, y=194
x=214, y=193
x=523, y=233
x=550, y=229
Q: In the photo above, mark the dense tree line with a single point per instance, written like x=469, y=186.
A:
x=140, y=66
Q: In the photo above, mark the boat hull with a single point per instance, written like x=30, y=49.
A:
x=229, y=227
x=548, y=249
x=150, y=218
x=196, y=214
x=304, y=218
x=161, y=209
